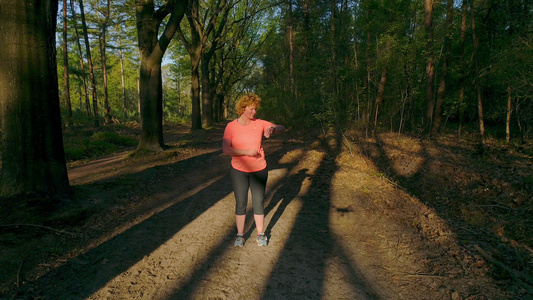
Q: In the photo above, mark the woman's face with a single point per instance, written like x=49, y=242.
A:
x=250, y=111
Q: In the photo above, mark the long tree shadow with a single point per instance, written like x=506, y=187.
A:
x=180, y=204
x=187, y=290
x=283, y=196
x=425, y=183
x=82, y=276
x=300, y=271
x=310, y=243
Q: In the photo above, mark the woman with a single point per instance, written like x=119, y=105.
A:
x=242, y=140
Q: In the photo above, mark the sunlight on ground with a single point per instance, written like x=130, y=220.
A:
x=405, y=156
x=147, y=214
x=203, y=250
x=234, y=264
x=179, y=258
x=200, y=259
x=386, y=246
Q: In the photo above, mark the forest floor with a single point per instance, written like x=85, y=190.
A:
x=347, y=218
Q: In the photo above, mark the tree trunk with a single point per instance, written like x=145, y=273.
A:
x=150, y=82
x=178, y=93
x=195, y=92
x=307, y=53
x=151, y=100
x=219, y=102
x=218, y=75
x=82, y=68
x=291, y=51
x=213, y=83
x=509, y=111
x=430, y=68
x=194, y=48
x=65, y=65
x=33, y=158
x=90, y=63
x=444, y=73
x=477, y=83
x=368, y=82
x=207, y=101
x=333, y=48
x=463, y=73
x=379, y=98
x=80, y=91
x=208, y=85
x=122, y=76
x=107, y=114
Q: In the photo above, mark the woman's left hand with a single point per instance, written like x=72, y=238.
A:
x=269, y=132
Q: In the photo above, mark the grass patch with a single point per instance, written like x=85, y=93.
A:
x=98, y=144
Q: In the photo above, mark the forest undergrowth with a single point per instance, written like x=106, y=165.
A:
x=486, y=200
x=483, y=203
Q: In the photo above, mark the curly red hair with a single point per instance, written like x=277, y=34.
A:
x=247, y=100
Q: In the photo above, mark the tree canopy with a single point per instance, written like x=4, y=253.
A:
x=408, y=66
x=357, y=63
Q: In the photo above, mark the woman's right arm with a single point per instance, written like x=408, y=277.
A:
x=229, y=150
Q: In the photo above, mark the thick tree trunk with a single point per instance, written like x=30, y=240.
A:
x=33, y=159
x=152, y=49
x=90, y=63
x=430, y=68
x=151, y=100
x=65, y=66
x=196, y=117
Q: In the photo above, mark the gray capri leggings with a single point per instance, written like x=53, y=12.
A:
x=242, y=182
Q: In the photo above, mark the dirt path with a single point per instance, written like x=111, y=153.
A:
x=162, y=227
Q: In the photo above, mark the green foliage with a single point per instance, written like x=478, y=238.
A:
x=336, y=63
x=98, y=144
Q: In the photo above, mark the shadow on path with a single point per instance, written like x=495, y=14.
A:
x=187, y=290
x=82, y=276
x=433, y=182
x=311, y=244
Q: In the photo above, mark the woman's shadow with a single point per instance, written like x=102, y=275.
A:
x=287, y=189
